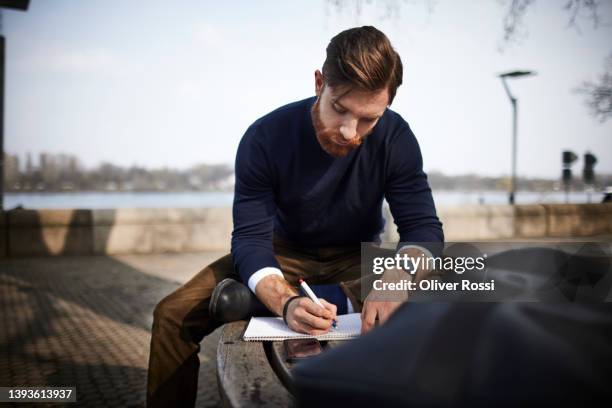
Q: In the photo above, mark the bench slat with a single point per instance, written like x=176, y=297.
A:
x=245, y=376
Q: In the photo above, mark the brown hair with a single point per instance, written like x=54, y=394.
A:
x=363, y=57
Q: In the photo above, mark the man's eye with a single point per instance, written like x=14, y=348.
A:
x=339, y=110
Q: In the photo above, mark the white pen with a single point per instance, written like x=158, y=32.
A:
x=314, y=297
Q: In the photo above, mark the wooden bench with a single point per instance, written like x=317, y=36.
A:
x=245, y=375
x=253, y=373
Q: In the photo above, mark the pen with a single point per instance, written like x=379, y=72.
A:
x=313, y=297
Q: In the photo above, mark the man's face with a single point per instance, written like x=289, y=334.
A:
x=342, y=118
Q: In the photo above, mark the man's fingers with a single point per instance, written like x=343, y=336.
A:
x=316, y=322
x=301, y=327
x=308, y=317
x=304, y=316
x=368, y=317
x=316, y=310
x=388, y=310
x=331, y=307
x=383, y=315
x=312, y=331
x=384, y=311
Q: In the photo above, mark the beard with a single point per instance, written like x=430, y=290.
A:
x=331, y=140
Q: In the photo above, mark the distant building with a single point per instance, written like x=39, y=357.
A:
x=12, y=174
x=29, y=170
x=49, y=170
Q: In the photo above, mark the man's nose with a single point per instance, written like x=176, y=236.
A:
x=349, y=130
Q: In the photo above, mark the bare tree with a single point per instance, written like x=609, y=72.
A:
x=515, y=30
x=391, y=9
x=598, y=94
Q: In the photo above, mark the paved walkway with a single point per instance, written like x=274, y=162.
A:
x=85, y=322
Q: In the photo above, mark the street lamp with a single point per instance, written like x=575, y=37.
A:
x=17, y=5
x=513, y=101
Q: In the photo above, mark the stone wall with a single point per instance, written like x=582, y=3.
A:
x=498, y=222
x=120, y=231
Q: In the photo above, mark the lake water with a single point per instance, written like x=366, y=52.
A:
x=195, y=199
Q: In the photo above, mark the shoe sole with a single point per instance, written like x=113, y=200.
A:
x=212, y=305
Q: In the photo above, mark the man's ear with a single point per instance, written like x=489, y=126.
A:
x=318, y=83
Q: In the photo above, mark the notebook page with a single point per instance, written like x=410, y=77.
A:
x=273, y=328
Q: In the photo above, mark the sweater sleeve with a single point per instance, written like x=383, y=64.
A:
x=254, y=207
x=408, y=194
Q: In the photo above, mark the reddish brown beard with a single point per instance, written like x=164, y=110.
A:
x=327, y=137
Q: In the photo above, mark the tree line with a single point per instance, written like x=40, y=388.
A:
x=61, y=172
x=54, y=173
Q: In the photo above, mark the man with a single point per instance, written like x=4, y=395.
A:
x=310, y=181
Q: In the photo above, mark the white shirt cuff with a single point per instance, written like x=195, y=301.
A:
x=349, y=306
x=427, y=253
x=262, y=273
x=420, y=248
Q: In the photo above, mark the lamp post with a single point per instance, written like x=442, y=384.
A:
x=513, y=101
x=17, y=5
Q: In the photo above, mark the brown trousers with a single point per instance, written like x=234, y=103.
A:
x=181, y=320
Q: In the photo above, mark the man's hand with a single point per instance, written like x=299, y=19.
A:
x=376, y=306
x=305, y=316
x=382, y=305
x=274, y=291
x=373, y=309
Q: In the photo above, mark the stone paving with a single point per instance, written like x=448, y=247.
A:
x=85, y=322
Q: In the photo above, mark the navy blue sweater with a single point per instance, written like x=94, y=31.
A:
x=288, y=185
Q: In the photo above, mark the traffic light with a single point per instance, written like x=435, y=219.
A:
x=568, y=158
x=588, y=172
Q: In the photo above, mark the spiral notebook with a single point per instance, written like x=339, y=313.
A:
x=274, y=329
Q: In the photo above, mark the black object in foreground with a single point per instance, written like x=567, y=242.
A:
x=469, y=354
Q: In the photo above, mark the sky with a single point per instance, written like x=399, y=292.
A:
x=175, y=84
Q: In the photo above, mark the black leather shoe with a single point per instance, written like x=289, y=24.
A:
x=232, y=300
